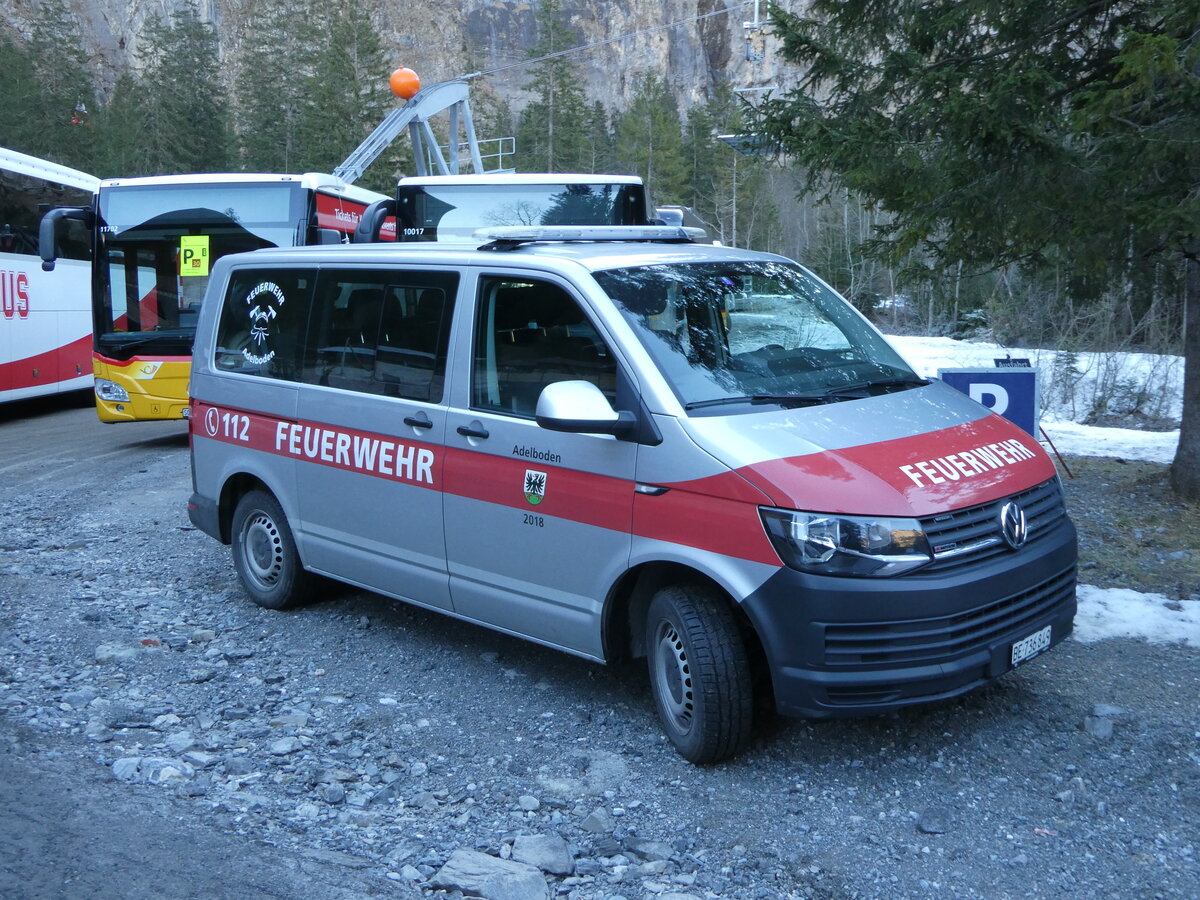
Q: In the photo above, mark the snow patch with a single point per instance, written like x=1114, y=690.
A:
x=1060, y=407
x=1120, y=613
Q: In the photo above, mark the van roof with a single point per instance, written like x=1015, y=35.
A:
x=591, y=255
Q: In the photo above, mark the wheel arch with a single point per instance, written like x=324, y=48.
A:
x=235, y=487
x=627, y=605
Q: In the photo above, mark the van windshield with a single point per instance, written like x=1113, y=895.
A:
x=748, y=333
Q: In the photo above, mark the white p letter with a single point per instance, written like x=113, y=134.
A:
x=982, y=393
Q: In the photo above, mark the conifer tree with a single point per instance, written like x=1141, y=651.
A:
x=120, y=127
x=19, y=124
x=345, y=94
x=61, y=98
x=728, y=186
x=599, y=140
x=648, y=141
x=1034, y=132
x=186, y=116
x=553, y=132
x=271, y=87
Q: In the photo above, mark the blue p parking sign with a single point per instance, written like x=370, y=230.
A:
x=1009, y=392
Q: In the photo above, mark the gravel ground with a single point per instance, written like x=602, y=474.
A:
x=162, y=736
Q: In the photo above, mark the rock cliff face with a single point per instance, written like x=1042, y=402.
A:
x=442, y=39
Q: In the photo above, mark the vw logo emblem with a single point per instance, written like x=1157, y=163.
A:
x=1012, y=525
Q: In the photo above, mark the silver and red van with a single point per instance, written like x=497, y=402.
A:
x=622, y=444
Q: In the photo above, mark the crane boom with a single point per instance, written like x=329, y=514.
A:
x=447, y=96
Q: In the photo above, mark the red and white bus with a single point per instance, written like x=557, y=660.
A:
x=45, y=317
x=153, y=241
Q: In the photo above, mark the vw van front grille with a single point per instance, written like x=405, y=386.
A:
x=945, y=638
x=970, y=535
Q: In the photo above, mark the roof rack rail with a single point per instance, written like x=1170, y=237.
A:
x=510, y=238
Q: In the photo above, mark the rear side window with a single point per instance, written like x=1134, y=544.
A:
x=530, y=334
x=263, y=322
x=381, y=332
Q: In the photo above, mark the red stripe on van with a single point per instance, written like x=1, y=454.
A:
x=367, y=453
x=717, y=514
x=921, y=475
x=584, y=497
x=705, y=522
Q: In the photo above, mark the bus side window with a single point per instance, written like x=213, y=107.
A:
x=261, y=330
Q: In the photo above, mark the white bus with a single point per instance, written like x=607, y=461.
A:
x=45, y=317
x=451, y=208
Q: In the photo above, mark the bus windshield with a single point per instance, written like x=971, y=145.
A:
x=157, y=243
x=453, y=212
x=731, y=336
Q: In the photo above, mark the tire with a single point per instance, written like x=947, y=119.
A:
x=264, y=554
x=700, y=673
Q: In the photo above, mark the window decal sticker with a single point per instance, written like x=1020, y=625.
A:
x=265, y=299
x=193, y=252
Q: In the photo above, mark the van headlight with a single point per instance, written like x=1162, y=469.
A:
x=111, y=391
x=825, y=544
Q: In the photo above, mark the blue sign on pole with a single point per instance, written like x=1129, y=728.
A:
x=1009, y=392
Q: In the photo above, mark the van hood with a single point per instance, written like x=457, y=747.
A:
x=915, y=453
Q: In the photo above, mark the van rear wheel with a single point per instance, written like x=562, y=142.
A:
x=264, y=554
x=699, y=673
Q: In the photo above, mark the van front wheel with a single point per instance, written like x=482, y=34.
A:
x=699, y=673
x=264, y=553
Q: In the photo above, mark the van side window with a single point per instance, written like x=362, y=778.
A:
x=529, y=334
x=381, y=332
x=262, y=325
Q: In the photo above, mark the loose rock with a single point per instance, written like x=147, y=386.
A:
x=480, y=875
x=550, y=853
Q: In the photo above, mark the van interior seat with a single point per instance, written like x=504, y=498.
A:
x=542, y=337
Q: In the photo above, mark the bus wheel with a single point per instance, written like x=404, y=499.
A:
x=264, y=553
x=699, y=673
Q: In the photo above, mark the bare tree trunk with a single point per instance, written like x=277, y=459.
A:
x=1185, y=471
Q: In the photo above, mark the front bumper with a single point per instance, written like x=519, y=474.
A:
x=855, y=646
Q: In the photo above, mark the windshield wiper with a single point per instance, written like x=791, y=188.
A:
x=881, y=383
x=154, y=337
x=830, y=395
x=781, y=399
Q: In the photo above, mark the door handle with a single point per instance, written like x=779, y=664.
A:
x=420, y=420
x=474, y=430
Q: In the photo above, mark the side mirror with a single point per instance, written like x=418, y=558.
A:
x=579, y=407
x=371, y=223
x=48, y=232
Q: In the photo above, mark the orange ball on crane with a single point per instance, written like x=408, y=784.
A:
x=405, y=83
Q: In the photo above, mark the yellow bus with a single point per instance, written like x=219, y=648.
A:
x=154, y=240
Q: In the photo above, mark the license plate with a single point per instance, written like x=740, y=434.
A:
x=1029, y=647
